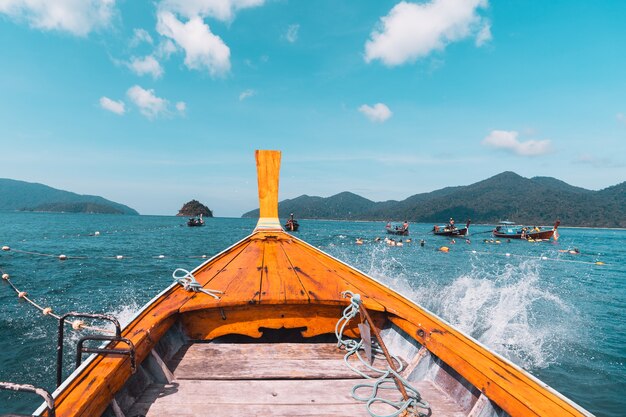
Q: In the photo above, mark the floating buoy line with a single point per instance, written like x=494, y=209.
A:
x=543, y=258
x=63, y=257
x=76, y=325
x=48, y=311
x=448, y=249
x=112, y=232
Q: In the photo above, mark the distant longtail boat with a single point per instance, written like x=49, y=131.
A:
x=510, y=230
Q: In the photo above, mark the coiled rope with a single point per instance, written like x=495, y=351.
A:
x=189, y=283
x=47, y=311
x=411, y=401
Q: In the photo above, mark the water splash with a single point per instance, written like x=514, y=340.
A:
x=510, y=311
x=126, y=312
x=508, y=307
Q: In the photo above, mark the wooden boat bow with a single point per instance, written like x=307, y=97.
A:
x=273, y=280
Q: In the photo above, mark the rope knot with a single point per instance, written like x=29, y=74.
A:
x=189, y=283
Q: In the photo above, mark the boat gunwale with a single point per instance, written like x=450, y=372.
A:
x=70, y=378
x=435, y=318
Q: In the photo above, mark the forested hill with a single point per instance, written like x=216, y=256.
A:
x=27, y=196
x=538, y=200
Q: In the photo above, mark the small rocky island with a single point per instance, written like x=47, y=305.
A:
x=195, y=208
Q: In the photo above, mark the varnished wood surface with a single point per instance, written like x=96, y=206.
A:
x=267, y=361
x=268, y=169
x=263, y=379
x=187, y=398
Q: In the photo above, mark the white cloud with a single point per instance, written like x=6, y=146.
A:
x=165, y=49
x=484, y=35
x=411, y=31
x=113, y=106
x=378, y=113
x=140, y=36
x=181, y=106
x=203, y=49
x=146, y=65
x=508, y=141
x=246, y=94
x=78, y=17
x=148, y=103
x=292, y=33
x=219, y=9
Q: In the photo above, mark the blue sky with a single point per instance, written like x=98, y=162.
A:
x=153, y=103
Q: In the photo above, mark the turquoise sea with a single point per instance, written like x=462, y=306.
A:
x=559, y=315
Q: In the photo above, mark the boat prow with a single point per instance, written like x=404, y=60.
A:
x=257, y=337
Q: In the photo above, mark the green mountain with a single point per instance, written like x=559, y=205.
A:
x=28, y=196
x=538, y=200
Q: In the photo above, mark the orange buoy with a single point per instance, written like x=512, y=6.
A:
x=444, y=249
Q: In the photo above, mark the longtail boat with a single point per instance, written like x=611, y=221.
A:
x=292, y=224
x=275, y=326
x=195, y=221
x=513, y=231
x=452, y=231
x=398, y=229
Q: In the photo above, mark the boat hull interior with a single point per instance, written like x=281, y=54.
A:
x=281, y=373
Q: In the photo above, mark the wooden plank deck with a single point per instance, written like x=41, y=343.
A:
x=266, y=361
x=285, y=379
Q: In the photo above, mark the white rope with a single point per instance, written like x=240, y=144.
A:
x=48, y=311
x=412, y=406
x=189, y=283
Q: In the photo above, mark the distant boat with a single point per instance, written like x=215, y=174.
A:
x=292, y=224
x=398, y=229
x=510, y=230
x=195, y=221
x=451, y=230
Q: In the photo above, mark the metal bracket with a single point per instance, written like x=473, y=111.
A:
x=117, y=338
x=130, y=351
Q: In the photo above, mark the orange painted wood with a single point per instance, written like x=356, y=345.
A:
x=268, y=170
x=375, y=295
x=209, y=270
x=279, y=281
x=321, y=283
x=240, y=281
x=247, y=319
